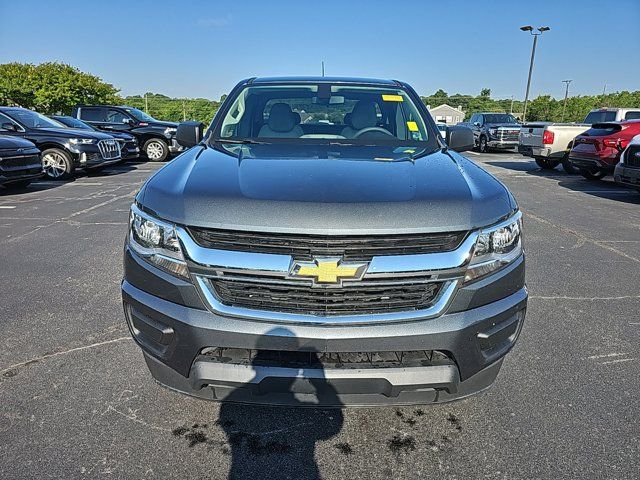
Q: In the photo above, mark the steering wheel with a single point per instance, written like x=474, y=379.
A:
x=372, y=129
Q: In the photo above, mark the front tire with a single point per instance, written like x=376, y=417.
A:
x=482, y=145
x=156, y=150
x=593, y=174
x=57, y=164
x=547, y=164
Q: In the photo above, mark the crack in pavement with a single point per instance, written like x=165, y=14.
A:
x=62, y=352
x=583, y=237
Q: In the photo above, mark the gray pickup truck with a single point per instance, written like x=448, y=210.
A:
x=549, y=143
x=494, y=130
x=284, y=259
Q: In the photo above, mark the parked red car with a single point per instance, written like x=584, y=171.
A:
x=597, y=151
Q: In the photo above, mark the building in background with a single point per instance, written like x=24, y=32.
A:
x=446, y=114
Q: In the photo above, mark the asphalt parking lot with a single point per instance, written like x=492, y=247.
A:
x=77, y=400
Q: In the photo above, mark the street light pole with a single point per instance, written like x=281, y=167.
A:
x=529, y=28
x=566, y=95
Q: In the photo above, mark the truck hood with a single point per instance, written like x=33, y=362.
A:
x=323, y=189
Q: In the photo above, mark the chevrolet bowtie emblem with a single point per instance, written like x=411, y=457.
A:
x=328, y=271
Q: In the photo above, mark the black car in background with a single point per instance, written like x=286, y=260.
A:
x=63, y=149
x=20, y=162
x=129, y=148
x=156, y=138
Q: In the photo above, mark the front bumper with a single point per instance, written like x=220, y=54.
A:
x=89, y=156
x=19, y=167
x=627, y=175
x=497, y=143
x=174, y=146
x=168, y=319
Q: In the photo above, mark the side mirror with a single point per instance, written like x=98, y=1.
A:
x=9, y=127
x=189, y=134
x=477, y=124
x=460, y=138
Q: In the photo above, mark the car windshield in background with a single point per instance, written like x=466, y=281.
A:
x=140, y=115
x=73, y=123
x=499, y=118
x=321, y=113
x=599, y=117
x=32, y=119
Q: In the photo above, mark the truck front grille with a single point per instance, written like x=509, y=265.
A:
x=632, y=157
x=508, y=135
x=362, y=297
x=20, y=164
x=349, y=247
x=325, y=360
x=109, y=149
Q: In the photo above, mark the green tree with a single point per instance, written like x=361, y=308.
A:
x=52, y=87
x=485, y=92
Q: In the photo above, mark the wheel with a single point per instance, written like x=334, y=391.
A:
x=57, y=163
x=19, y=184
x=547, y=164
x=156, y=150
x=482, y=146
x=593, y=173
x=566, y=165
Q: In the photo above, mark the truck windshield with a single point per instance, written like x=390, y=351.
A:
x=600, y=116
x=139, y=115
x=499, y=118
x=308, y=113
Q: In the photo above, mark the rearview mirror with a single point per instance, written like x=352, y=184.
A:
x=460, y=138
x=127, y=121
x=9, y=127
x=189, y=134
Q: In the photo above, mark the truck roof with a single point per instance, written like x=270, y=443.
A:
x=318, y=79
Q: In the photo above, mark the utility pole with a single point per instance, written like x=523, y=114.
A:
x=323, y=68
x=184, y=111
x=511, y=109
x=541, y=30
x=604, y=89
x=146, y=104
x=566, y=95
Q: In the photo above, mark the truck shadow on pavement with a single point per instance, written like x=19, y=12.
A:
x=274, y=441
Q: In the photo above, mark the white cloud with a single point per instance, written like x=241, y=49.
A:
x=215, y=22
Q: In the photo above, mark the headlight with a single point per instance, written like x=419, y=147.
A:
x=157, y=242
x=81, y=141
x=493, y=131
x=495, y=248
x=170, y=132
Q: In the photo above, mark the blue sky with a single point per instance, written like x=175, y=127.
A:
x=201, y=49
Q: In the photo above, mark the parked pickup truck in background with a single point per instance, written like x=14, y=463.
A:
x=494, y=130
x=549, y=143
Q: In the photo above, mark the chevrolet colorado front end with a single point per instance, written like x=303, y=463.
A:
x=323, y=243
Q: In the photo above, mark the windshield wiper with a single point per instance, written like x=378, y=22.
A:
x=246, y=141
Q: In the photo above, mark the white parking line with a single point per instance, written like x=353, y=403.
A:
x=7, y=207
x=472, y=153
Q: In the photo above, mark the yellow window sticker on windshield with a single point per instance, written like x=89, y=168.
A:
x=413, y=127
x=392, y=98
